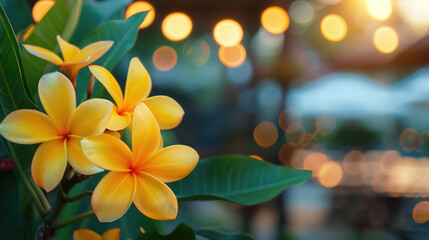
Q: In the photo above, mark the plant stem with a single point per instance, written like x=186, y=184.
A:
x=77, y=197
x=42, y=209
x=73, y=220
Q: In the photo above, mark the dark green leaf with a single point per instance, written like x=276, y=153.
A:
x=238, y=179
x=11, y=224
x=123, y=33
x=183, y=232
x=214, y=234
x=19, y=12
x=62, y=20
x=95, y=13
x=12, y=83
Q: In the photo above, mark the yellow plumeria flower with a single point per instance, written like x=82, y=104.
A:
x=139, y=175
x=167, y=111
x=74, y=58
x=86, y=234
x=60, y=130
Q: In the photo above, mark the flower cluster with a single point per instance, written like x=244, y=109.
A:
x=77, y=136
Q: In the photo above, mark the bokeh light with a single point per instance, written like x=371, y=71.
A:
x=275, y=20
x=232, y=56
x=314, y=161
x=242, y=74
x=354, y=162
x=197, y=53
x=421, y=212
x=415, y=15
x=265, y=134
x=141, y=6
x=290, y=120
x=289, y=154
x=333, y=27
x=176, y=26
x=256, y=157
x=228, y=33
x=386, y=39
x=379, y=9
x=409, y=139
x=41, y=8
x=330, y=174
x=301, y=12
x=164, y=58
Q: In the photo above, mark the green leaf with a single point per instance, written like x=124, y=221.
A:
x=215, y=234
x=238, y=179
x=19, y=11
x=95, y=13
x=124, y=34
x=12, y=225
x=13, y=94
x=62, y=20
x=182, y=231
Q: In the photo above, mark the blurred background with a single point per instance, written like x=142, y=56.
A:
x=340, y=87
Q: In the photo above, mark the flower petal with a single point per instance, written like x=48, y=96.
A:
x=43, y=53
x=118, y=121
x=172, y=163
x=58, y=98
x=67, y=49
x=109, y=82
x=167, y=111
x=90, y=118
x=112, y=234
x=78, y=160
x=85, y=234
x=154, y=199
x=145, y=135
x=138, y=84
x=108, y=152
x=113, y=196
x=49, y=164
x=93, y=51
x=28, y=127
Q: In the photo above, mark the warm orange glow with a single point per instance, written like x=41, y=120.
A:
x=388, y=161
x=314, y=162
x=141, y=6
x=379, y=9
x=289, y=154
x=333, y=27
x=421, y=212
x=289, y=120
x=409, y=139
x=232, y=56
x=275, y=20
x=354, y=162
x=265, y=134
x=256, y=157
x=330, y=174
x=41, y=8
x=164, y=58
x=177, y=26
x=386, y=39
x=228, y=33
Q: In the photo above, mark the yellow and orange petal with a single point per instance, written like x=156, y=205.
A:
x=49, y=164
x=108, y=152
x=167, y=111
x=138, y=85
x=90, y=118
x=118, y=121
x=85, y=234
x=43, y=53
x=171, y=163
x=77, y=158
x=111, y=234
x=93, y=52
x=113, y=196
x=28, y=127
x=58, y=98
x=145, y=135
x=109, y=82
x=154, y=199
x=68, y=50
